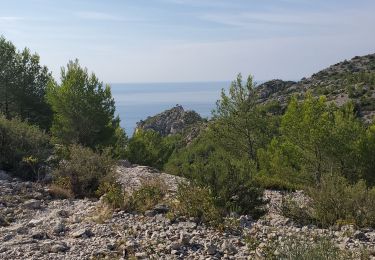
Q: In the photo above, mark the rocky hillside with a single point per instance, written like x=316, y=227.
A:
x=172, y=121
x=33, y=225
x=348, y=80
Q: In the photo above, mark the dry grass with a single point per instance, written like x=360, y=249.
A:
x=58, y=192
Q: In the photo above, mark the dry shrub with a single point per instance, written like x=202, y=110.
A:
x=83, y=170
x=58, y=192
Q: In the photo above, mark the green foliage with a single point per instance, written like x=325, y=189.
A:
x=23, y=83
x=83, y=170
x=336, y=200
x=367, y=148
x=83, y=109
x=229, y=179
x=150, y=148
x=241, y=126
x=149, y=195
x=297, y=248
x=316, y=138
x=196, y=202
x=24, y=148
x=112, y=193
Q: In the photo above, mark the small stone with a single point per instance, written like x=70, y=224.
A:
x=32, y=204
x=34, y=222
x=150, y=213
x=59, y=248
x=229, y=248
x=7, y=237
x=3, y=222
x=161, y=209
x=59, y=228
x=62, y=213
x=175, y=246
x=84, y=232
x=141, y=254
x=21, y=230
x=360, y=236
x=39, y=235
x=184, y=238
x=211, y=249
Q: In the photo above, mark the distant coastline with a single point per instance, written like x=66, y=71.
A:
x=137, y=101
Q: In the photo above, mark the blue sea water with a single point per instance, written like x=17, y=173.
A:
x=137, y=101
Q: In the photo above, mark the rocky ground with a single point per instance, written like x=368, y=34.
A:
x=34, y=226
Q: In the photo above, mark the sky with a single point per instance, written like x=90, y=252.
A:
x=191, y=40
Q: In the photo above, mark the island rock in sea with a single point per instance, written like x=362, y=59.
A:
x=172, y=121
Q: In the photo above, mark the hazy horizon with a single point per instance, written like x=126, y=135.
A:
x=189, y=40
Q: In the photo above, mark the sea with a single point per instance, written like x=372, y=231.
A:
x=137, y=101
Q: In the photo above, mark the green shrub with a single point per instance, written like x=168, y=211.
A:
x=113, y=194
x=24, y=148
x=301, y=249
x=336, y=200
x=149, y=195
x=196, y=202
x=83, y=170
x=148, y=147
x=275, y=183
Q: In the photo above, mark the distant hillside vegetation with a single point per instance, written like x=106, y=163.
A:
x=348, y=80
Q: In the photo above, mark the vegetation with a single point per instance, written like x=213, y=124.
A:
x=223, y=158
x=296, y=248
x=145, y=198
x=82, y=170
x=24, y=149
x=83, y=109
x=247, y=146
x=148, y=147
x=241, y=126
x=195, y=202
x=333, y=202
x=315, y=139
x=23, y=84
x=149, y=195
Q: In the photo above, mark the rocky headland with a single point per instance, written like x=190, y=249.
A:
x=172, y=121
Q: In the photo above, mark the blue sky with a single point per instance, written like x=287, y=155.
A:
x=191, y=40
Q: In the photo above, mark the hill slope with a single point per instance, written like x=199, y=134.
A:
x=348, y=80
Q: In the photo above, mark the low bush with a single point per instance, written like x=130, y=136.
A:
x=113, y=193
x=82, y=171
x=297, y=248
x=149, y=195
x=335, y=201
x=145, y=198
x=196, y=202
x=24, y=148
